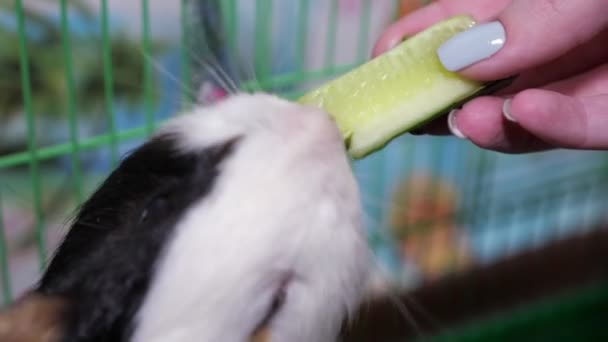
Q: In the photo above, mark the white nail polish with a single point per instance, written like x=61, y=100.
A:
x=471, y=46
x=506, y=110
x=452, y=125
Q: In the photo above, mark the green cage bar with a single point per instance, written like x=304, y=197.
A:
x=332, y=31
x=185, y=76
x=4, y=268
x=32, y=155
x=290, y=78
x=108, y=81
x=362, y=49
x=147, y=77
x=303, y=9
x=229, y=14
x=71, y=100
x=58, y=150
x=263, y=48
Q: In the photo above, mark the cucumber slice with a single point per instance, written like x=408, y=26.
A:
x=397, y=91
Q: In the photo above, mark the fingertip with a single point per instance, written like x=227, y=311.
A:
x=532, y=106
x=472, y=46
x=393, y=35
x=453, y=126
x=529, y=36
x=506, y=111
x=490, y=54
x=480, y=121
x=556, y=118
x=388, y=40
x=408, y=25
x=483, y=123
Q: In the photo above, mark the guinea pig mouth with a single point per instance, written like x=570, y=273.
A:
x=262, y=331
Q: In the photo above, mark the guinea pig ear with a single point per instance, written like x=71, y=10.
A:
x=33, y=318
x=209, y=93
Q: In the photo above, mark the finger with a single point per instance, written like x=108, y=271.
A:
x=482, y=122
x=588, y=56
x=575, y=117
x=591, y=83
x=564, y=121
x=424, y=17
x=406, y=26
x=577, y=61
x=526, y=34
x=569, y=114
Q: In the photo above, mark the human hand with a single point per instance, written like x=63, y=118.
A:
x=558, y=49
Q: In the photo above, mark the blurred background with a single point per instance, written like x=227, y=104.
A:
x=470, y=245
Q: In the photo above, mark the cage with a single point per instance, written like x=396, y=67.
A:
x=471, y=245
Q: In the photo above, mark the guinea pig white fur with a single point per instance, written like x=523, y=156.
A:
x=234, y=219
x=284, y=215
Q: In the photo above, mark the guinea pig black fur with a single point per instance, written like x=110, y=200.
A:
x=235, y=222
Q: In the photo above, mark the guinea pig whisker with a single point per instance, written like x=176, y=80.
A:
x=427, y=315
x=98, y=211
x=225, y=84
x=91, y=225
x=227, y=77
x=394, y=297
x=179, y=102
x=213, y=67
x=174, y=79
x=16, y=196
x=257, y=86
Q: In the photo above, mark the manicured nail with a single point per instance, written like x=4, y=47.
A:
x=471, y=46
x=506, y=110
x=452, y=124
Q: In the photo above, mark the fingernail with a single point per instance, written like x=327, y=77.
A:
x=506, y=110
x=452, y=125
x=471, y=46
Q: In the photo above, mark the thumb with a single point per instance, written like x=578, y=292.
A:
x=526, y=34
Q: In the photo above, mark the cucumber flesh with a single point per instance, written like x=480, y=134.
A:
x=397, y=91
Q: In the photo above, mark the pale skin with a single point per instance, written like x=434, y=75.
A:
x=558, y=49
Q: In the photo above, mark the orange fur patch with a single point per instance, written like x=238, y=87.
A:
x=33, y=318
x=261, y=335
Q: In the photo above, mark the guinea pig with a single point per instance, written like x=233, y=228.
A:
x=240, y=221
